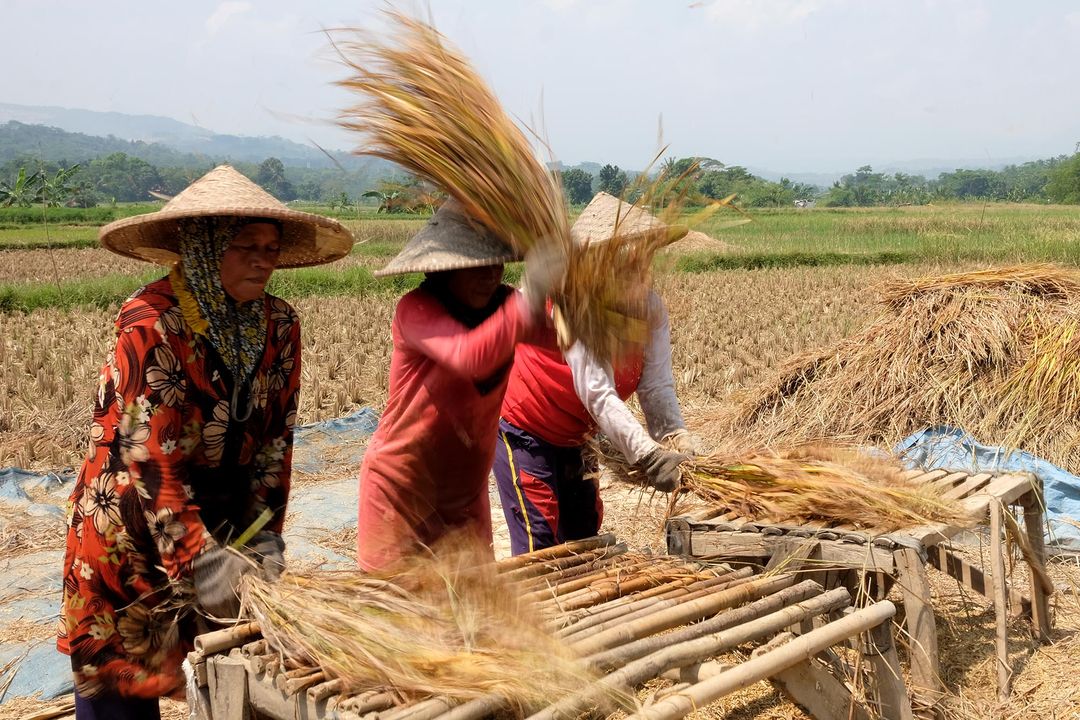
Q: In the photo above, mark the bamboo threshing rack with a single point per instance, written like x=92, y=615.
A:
x=632, y=618
x=870, y=562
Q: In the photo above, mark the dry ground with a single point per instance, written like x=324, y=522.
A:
x=729, y=329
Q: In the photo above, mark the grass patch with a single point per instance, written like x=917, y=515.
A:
x=34, y=237
x=16, y=216
x=110, y=291
x=991, y=232
x=708, y=262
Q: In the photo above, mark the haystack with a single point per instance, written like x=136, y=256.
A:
x=696, y=241
x=994, y=352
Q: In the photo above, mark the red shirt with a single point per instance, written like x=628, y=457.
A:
x=540, y=397
x=426, y=468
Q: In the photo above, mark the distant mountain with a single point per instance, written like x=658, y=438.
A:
x=49, y=144
x=183, y=138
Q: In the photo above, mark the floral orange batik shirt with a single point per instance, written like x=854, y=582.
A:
x=169, y=471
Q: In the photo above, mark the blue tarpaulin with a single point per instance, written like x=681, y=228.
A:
x=954, y=449
x=338, y=441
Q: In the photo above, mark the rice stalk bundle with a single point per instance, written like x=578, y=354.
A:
x=441, y=624
x=424, y=107
x=990, y=352
x=817, y=483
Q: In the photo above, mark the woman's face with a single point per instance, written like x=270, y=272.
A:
x=474, y=287
x=249, y=261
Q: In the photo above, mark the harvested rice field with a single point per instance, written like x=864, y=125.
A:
x=732, y=332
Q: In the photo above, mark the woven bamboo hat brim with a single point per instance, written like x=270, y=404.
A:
x=306, y=238
x=450, y=241
x=606, y=217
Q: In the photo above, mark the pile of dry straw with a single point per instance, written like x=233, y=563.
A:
x=995, y=352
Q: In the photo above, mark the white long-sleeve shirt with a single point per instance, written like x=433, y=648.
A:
x=594, y=384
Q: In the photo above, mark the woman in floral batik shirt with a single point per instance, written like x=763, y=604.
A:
x=191, y=439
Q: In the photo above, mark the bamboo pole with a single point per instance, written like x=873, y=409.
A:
x=629, y=603
x=212, y=642
x=761, y=667
x=550, y=594
x=372, y=701
x=1001, y=609
x=729, y=618
x=689, y=652
x=325, y=690
x=423, y=710
x=670, y=586
x=686, y=612
x=570, y=548
x=532, y=570
x=632, y=611
x=615, y=588
x=545, y=582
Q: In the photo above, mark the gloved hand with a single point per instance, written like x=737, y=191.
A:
x=662, y=468
x=217, y=573
x=544, y=269
x=686, y=442
x=268, y=549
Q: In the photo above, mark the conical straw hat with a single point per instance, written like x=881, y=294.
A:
x=606, y=217
x=450, y=241
x=306, y=238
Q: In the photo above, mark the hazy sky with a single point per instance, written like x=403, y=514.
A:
x=788, y=85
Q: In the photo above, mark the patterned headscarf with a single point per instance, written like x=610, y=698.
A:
x=236, y=330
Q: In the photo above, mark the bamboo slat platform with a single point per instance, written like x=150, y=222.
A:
x=631, y=624
x=867, y=561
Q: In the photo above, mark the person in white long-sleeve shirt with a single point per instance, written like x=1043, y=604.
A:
x=554, y=403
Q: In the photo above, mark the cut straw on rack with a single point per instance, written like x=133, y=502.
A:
x=442, y=624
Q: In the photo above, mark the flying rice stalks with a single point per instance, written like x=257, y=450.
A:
x=426, y=109
x=442, y=624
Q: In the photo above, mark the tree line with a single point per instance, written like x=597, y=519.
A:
x=1052, y=180
x=119, y=177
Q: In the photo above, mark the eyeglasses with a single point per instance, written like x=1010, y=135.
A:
x=246, y=251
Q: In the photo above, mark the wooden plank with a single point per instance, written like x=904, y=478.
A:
x=227, y=683
x=928, y=477
x=921, y=626
x=791, y=554
x=1001, y=634
x=677, y=533
x=974, y=578
x=949, y=480
x=893, y=701
x=1040, y=600
x=818, y=692
x=726, y=544
x=973, y=483
x=1004, y=489
x=912, y=474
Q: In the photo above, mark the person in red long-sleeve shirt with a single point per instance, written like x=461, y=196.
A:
x=426, y=468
